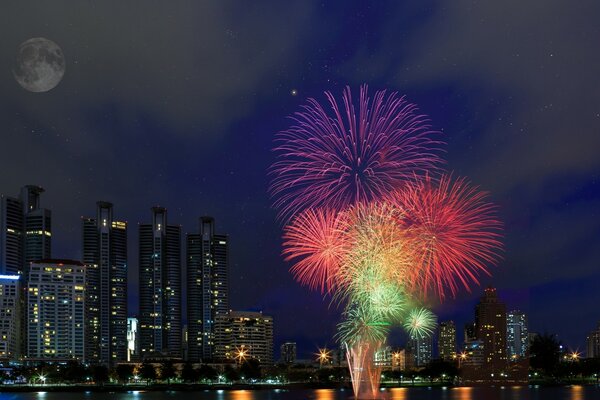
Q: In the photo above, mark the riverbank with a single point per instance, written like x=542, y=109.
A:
x=183, y=387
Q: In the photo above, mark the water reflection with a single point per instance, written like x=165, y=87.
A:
x=325, y=394
x=241, y=395
x=576, y=392
x=399, y=394
x=462, y=393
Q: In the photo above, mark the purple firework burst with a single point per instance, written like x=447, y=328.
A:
x=345, y=156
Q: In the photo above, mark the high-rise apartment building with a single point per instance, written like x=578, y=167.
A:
x=517, y=337
x=207, y=288
x=25, y=231
x=288, y=352
x=246, y=331
x=447, y=340
x=490, y=323
x=160, y=286
x=56, y=310
x=593, y=343
x=10, y=321
x=105, y=256
x=420, y=350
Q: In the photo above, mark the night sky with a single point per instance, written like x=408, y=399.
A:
x=177, y=103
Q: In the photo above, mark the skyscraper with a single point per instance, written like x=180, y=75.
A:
x=10, y=321
x=420, y=350
x=207, y=288
x=160, y=286
x=105, y=256
x=447, y=340
x=517, y=337
x=25, y=231
x=55, y=310
x=490, y=323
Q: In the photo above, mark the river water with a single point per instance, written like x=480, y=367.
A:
x=459, y=393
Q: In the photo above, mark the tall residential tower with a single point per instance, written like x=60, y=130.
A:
x=105, y=257
x=160, y=287
x=517, y=337
x=207, y=288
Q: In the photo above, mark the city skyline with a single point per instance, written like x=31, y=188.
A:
x=514, y=97
x=160, y=226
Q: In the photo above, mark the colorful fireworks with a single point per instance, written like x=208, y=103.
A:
x=339, y=158
x=456, y=231
x=420, y=323
x=369, y=225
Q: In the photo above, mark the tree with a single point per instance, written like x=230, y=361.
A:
x=147, y=372
x=188, y=374
x=74, y=372
x=250, y=369
x=545, y=353
x=100, y=374
x=124, y=372
x=207, y=373
x=231, y=374
x=167, y=371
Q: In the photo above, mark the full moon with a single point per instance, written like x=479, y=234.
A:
x=40, y=65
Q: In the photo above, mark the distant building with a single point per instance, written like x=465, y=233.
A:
x=475, y=354
x=399, y=360
x=470, y=332
x=447, y=340
x=288, y=353
x=593, y=343
x=420, y=350
x=105, y=257
x=10, y=320
x=490, y=322
x=160, y=286
x=56, y=310
x=246, y=331
x=207, y=288
x=133, y=339
x=517, y=337
x=383, y=357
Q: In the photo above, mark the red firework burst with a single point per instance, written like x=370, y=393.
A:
x=317, y=242
x=338, y=158
x=455, y=230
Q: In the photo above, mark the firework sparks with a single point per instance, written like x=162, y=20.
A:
x=316, y=241
x=420, y=323
x=455, y=230
x=345, y=156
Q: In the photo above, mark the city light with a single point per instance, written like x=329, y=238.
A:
x=241, y=354
x=323, y=356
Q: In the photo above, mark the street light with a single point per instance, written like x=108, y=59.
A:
x=323, y=356
x=241, y=354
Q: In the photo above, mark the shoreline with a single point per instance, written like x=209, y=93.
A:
x=182, y=387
